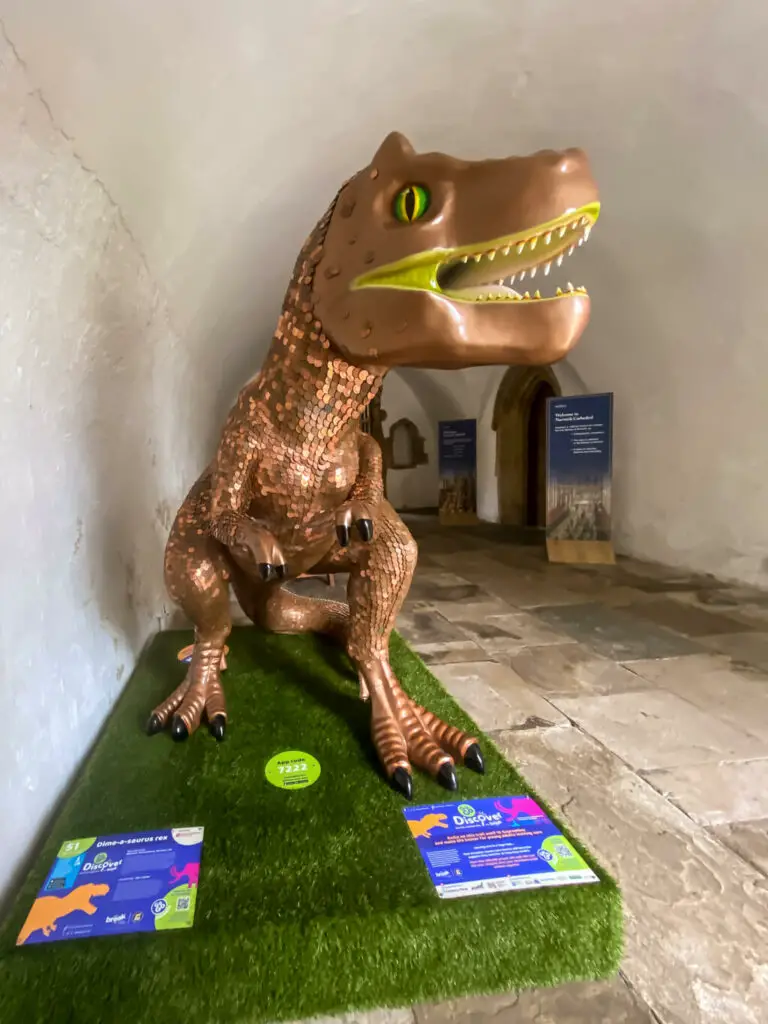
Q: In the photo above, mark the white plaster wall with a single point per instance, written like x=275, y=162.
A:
x=86, y=412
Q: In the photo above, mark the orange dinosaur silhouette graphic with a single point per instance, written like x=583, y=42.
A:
x=46, y=910
x=424, y=825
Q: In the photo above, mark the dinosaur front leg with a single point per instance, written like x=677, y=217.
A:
x=404, y=733
x=359, y=510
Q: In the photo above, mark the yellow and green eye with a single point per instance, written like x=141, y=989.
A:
x=411, y=203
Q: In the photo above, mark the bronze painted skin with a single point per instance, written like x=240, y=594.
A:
x=413, y=265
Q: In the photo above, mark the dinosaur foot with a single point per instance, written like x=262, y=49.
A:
x=407, y=735
x=200, y=696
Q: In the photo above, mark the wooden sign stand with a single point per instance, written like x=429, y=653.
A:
x=581, y=552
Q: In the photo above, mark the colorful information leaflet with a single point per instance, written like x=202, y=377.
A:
x=110, y=885
x=493, y=845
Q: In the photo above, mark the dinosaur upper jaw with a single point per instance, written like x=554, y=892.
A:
x=487, y=272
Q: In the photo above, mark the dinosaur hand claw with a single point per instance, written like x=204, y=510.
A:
x=358, y=514
x=256, y=545
x=365, y=529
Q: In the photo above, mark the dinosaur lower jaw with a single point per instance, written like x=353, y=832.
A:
x=495, y=270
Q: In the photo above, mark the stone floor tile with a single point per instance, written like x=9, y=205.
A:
x=452, y=653
x=520, y=588
x=496, y=697
x=420, y=625
x=591, y=1002
x=657, y=729
x=430, y=586
x=615, y=634
x=572, y=670
x=696, y=914
x=509, y=633
x=458, y=611
x=749, y=839
x=685, y=618
x=404, y=1016
x=663, y=578
x=715, y=684
x=715, y=794
x=750, y=648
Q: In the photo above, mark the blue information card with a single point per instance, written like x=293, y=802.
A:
x=493, y=845
x=110, y=885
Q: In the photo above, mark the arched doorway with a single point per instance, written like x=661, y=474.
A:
x=520, y=422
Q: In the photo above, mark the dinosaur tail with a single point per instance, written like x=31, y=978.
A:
x=175, y=874
x=25, y=932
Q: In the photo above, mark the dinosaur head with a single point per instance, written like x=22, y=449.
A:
x=435, y=262
x=91, y=890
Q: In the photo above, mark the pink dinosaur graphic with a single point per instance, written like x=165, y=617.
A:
x=520, y=805
x=190, y=871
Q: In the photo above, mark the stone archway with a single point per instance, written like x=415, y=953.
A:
x=519, y=420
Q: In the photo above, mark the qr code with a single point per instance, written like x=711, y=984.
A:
x=182, y=903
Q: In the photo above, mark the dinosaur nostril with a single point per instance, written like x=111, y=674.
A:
x=570, y=160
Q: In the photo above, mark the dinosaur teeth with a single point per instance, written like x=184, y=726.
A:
x=505, y=250
x=559, y=260
x=537, y=294
x=559, y=291
x=547, y=268
x=548, y=238
x=532, y=243
x=520, y=248
x=563, y=229
x=532, y=271
x=587, y=230
x=491, y=255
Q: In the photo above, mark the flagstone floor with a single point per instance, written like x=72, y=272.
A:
x=635, y=699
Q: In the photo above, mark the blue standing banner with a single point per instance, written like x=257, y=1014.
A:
x=457, y=453
x=579, y=477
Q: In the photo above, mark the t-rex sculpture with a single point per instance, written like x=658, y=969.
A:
x=412, y=265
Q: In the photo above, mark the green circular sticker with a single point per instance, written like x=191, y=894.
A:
x=292, y=769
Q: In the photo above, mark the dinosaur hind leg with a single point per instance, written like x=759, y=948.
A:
x=273, y=607
x=404, y=733
x=197, y=578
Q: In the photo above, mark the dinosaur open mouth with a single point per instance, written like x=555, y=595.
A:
x=491, y=272
x=494, y=271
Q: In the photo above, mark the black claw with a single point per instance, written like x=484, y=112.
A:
x=365, y=529
x=342, y=532
x=447, y=776
x=403, y=783
x=281, y=571
x=474, y=759
x=266, y=571
x=179, y=731
x=218, y=727
x=154, y=725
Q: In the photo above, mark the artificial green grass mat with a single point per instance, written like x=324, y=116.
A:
x=314, y=901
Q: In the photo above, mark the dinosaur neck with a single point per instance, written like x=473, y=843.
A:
x=307, y=389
